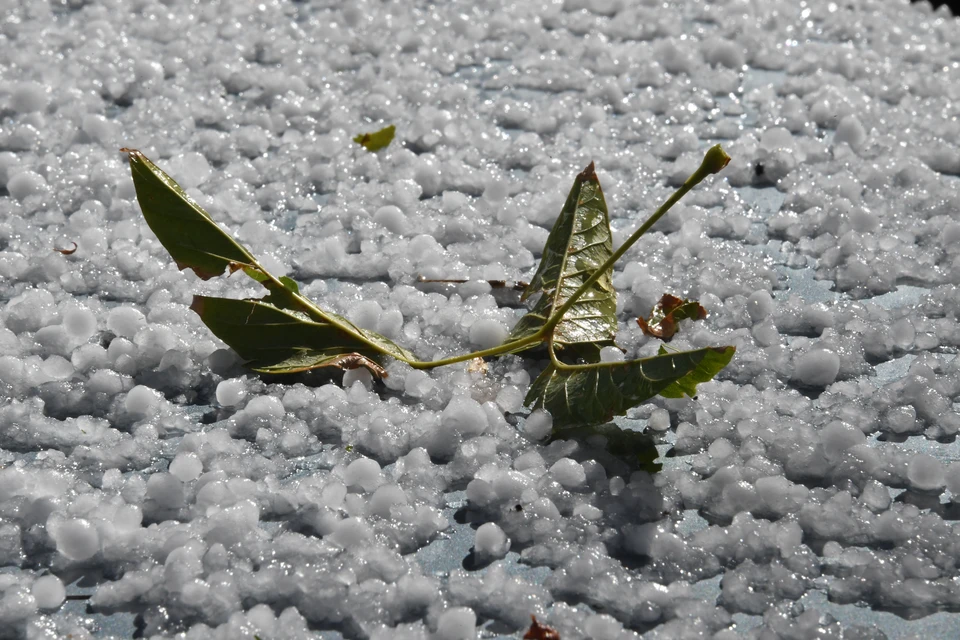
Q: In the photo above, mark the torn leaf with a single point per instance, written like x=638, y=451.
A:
x=667, y=314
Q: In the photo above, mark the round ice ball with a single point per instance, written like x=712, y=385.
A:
x=538, y=425
x=759, y=305
x=357, y=374
x=611, y=354
x=80, y=324
x=457, y=623
x=464, y=415
x=817, y=368
x=57, y=368
x=125, y=321
x=26, y=184
x=49, y=592
x=391, y=218
x=165, y=490
x=851, y=131
x=568, y=472
x=141, y=400
x=191, y=169
x=925, y=473
x=659, y=420
x=487, y=332
x=363, y=473
x=230, y=393
x=490, y=543
x=366, y=314
x=186, y=467
x=76, y=539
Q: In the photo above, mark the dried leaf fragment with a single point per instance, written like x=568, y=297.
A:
x=667, y=314
x=67, y=252
x=376, y=140
x=539, y=631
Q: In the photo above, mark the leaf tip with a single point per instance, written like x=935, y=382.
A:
x=197, y=305
x=588, y=174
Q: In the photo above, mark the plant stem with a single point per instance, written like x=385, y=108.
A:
x=714, y=160
x=485, y=353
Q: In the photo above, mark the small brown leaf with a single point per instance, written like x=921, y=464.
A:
x=67, y=252
x=666, y=316
x=355, y=361
x=539, y=631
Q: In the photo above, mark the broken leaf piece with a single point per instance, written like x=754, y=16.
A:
x=579, y=244
x=376, y=140
x=667, y=314
x=67, y=252
x=539, y=631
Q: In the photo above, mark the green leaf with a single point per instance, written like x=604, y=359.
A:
x=301, y=337
x=715, y=359
x=593, y=393
x=579, y=243
x=188, y=232
x=274, y=340
x=376, y=140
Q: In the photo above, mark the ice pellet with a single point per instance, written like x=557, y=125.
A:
x=76, y=539
x=538, y=425
x=487, y=332
x=391, y=218
x=464, y=415
x=80, y=324
x=141, y=400
x=186, y=467
x=231, y=392
x=125, y=321
x=457, y=623
x=25, y=184
x=490, y=542
x=363, y=473
x=817, y=368
x=49, y=592
x=568, y=472
x=925, y=473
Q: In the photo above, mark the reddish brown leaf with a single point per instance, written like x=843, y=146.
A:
x=667, y=315
x=67, y=252
x=539, y=631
